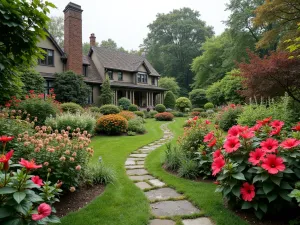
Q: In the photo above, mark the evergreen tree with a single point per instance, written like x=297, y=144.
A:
x=169, y=100
x=106, y=95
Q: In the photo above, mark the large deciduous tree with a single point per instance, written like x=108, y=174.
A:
x=170, y=84
x=56, y=29
x=271, y=76
x=22, y=26
x=174, y=40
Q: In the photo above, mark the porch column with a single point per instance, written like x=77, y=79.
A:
x=152, y=102
x=147, y=97
x=133, y=97
x=116, y=98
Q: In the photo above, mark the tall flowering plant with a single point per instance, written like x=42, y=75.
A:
x=24, y=198
x=258, y=166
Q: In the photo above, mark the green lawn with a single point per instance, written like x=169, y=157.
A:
x=122, y=203
x=202, y=194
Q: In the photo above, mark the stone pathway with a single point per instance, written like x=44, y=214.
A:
x=165, y=202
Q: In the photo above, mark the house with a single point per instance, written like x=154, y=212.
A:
x=131, y=76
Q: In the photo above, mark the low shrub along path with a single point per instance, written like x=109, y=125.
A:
x=168, y=207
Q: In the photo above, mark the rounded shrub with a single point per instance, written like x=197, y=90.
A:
x=160, y=108
x=136, y=125
x=198, y=110
x=169, y=100
x=198, y=97
x=109, y=109
x=165, y=116
x=71, y=107
x=124, y=103
x=195, y=113
x=153, y=113
x=111, y=124
x=178, y=114
x=209, y=105
x=127, y=115
x=94, y=109
x=139, y=113
x=133, y=108
x=182, y=103
x=203, y=114
x=228, y=117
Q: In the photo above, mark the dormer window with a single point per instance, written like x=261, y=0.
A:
x=142, y=78
x=110, y=74
x=48, y=59
x=120, y=76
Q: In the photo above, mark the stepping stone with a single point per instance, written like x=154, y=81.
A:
x=162, y=222
x=157, y=183
x=198, y=221
x=173, y=208
x=141, y=178
x=137, y=172
x=162, y=194
x=146, y=151
x=135, y=167
x=140, y=162
x=138, y=155
x=134, y=159
x=129, y=162
x=143, y=185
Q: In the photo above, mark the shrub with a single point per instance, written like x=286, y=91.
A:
x=94, y=109
x=255, y=171
x=210, y=112
x=193, y=114
x=169, y=100
x=146, y=114
x=124, y=103
x=127, y=115
x=188, y=168
x=203, y=114
x=68, y=121
x=227, y=117
x=32, y=80
x=106, y=95
x=173, y=157
x=137, y=125
x=209, y=105
x=66, y=157
x=99, y=174
x=112, y=124
x=198, y=110
x=182, y=103
x=109, y=109
x=160, y=108
x=131, y=133
x=139, y=113
x=70, y=87
x=153, y=113
x=198, y=97
x=178, y=114
x=165, y=116
x=133, y=108
x=71, y=107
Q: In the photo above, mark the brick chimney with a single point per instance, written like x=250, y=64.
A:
x=92, y=40
x=73, y=37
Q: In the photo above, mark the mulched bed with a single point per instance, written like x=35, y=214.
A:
x=70, y=202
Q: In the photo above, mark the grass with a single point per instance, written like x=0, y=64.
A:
x=202, y=194
x=122, y=202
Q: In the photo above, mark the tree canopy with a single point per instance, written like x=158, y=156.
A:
x=56, y=29
x=174, y=40
x=170, y=84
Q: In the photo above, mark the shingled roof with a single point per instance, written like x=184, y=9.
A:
x=112, y=59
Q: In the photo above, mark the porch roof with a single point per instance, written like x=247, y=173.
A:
x=135, y=86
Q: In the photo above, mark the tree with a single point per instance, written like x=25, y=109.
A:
x=271, y=76
x=70, y=87
x=169, y=100
x=198, y=97
x=182, y=103
x=109, y=43
x=170, y=84
x=86, y=47
x=107, y=94
x=56, y=29
x=22, y=25
x=32, y=80
x=294, y=46
x=281, y=17
x=174, y=40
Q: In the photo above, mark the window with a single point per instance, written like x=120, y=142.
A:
x=110, y=74
x=90, y=98
x=120, y=75
x=142, y=78
x=153, y=80
x=48, y=58
x=48, y=86
x=84, y=71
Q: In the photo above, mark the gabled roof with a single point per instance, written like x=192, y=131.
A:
x=51, y=38
x=112, y=59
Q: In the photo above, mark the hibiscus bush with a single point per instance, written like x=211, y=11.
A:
x=257, y=167
x=112, y=124
x=228, y=115
x=25, y=199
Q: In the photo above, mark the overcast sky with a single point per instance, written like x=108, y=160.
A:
x=125, y=21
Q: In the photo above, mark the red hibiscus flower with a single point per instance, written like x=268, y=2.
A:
x=290, y=143
x=277, y=123
x=217, y=154
x=234, y=131
x=256, y=127
x=212, y=143
x=231, y=144
x=297, y=127
x=195, y=117
x=29, y=165
x=37, y=180
x=5, y=159
x=273, y=164
x=264, y=121
x=44, y=210
x=217, y=165
x=275, y=131
x=256, y=156
x=269, y=145
x=5, y=139
x=247, y=134
x=207, y=122
x=248, y=192
x=209, y=137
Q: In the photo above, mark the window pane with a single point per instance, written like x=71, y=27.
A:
x=50, y=58
x=120, y=76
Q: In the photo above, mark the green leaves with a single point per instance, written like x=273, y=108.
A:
x=5, y=212
x=239, y=176
x=7, y=190
x=267, y=187
x=19, y=196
